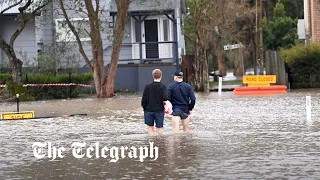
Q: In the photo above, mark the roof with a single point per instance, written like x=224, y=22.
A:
x=146, y=12
x=139, y=7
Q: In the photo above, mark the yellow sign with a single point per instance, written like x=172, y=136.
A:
x=17, y=115
x=260, y=80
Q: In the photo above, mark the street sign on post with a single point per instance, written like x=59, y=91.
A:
x=236, y=46
x=230, y=47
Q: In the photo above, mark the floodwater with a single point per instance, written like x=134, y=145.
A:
x=252, y=137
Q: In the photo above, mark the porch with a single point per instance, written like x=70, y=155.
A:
x=153, y=38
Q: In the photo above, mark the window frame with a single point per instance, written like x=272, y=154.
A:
x=66, y=33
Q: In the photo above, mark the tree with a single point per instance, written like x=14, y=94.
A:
x=294, y=9
x=28, y=9
x=97, y=66
x=246, y=25
x=281, y=32
x=209, y=23
x=122, y=12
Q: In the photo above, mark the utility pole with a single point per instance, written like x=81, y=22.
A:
x=259, y=38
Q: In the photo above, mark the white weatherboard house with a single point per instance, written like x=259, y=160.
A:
x=154, y=33
x=153, y=30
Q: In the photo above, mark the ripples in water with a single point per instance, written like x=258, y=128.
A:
x=260, y=137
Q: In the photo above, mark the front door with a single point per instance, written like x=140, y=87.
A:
x=151, y=35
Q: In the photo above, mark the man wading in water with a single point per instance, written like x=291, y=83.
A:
x=154, y=95
x=182, y=98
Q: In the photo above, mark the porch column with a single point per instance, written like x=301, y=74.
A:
x=175, y=38
x=138, y=37
x=138, y=34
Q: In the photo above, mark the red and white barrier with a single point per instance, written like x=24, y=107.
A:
x=35, y=85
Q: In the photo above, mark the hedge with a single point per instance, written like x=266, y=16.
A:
x=48, y=92
x=304, y=62
x=5, y=77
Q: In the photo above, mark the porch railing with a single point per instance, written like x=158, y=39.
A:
x=143, y=51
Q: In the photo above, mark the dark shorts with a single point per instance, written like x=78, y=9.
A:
x=154, y=117
x=182, y=112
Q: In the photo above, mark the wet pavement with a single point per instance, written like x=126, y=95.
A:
x=250, y=137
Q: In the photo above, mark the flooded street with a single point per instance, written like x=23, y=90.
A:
x=250, y=137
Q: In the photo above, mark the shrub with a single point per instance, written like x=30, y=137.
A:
x=304, y=62
x=48, y=92
x=5, y=77
x=62, y=78
x=13, y=89
x=281, y=32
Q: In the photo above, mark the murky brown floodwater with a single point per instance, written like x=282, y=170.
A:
x=231, y=138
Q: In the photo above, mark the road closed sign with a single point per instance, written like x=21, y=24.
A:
x=17, y=115
x=265, y=80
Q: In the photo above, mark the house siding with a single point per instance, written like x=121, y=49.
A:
x=38, y=31
x=315, y=10
x=135, y=77
x=312, y=14
x=126, y=50
x=106, y=32
x=45, y=26
x=25, y=44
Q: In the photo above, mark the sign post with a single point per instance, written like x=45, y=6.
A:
x=17, y=115
x=308, y=107
x=220, y=85
x=236, y=46
x=242, y=59
x=17, y=95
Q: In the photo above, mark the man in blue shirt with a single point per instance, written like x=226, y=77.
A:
x=182, y=98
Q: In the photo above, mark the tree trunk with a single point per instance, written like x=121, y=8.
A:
x=199, y=80
x=238, y=64
x=259, y=44
x=252, y=41
x=220, y=57
x=206, y=71
x=16, y=69
x=122, y=11
x=15, y=63
x=98, y=80
x=98, y=69
x=247, y=54
x=97, y=47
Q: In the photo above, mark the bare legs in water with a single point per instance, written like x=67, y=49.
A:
x=151, y=131
x=175, y=124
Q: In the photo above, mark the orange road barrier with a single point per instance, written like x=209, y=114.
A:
x=260, y=85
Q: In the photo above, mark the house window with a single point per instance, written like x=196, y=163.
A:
x=64, y=33
x=165, y=29
x=40, y=47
